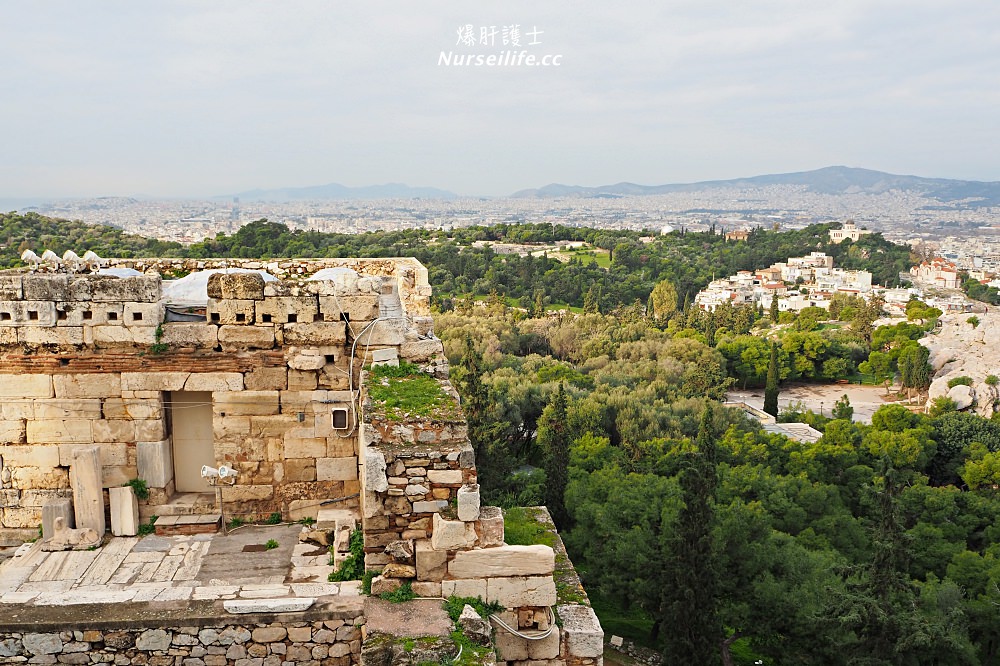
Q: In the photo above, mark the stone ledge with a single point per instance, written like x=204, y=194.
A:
x=248, y=606
x=154, y=615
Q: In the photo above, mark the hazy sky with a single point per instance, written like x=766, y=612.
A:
x=211, y=97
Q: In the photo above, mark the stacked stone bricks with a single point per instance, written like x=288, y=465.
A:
x=326, y=643
x=89, y=359
x=423, y=523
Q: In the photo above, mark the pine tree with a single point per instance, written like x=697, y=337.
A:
x=553, y=437
x=842, y=408
x=690, y=613
x=771, y=388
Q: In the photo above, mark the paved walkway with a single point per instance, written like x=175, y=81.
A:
x=178, y=568
x=819, y=397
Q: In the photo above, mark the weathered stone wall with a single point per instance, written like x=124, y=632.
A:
x=78, y=366
x=411, y=275
x=326, y=643
x=423, y=523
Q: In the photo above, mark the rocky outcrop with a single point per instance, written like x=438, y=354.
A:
x=959, y=349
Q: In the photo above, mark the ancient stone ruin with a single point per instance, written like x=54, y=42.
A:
x=249, y=389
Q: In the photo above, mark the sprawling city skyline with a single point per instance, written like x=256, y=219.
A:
x=204, y=99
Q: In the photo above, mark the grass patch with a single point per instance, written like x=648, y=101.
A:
x=633, y=623
x=406, y=391
x=273, y=519
x=600, y=257
x=471, y=653
x=271, y=544
x=521, y=528
x=235, y=522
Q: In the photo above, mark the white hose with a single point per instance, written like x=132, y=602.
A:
x=517, y=633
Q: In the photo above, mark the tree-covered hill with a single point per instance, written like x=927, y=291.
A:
x=32, y=231
x=458, y=268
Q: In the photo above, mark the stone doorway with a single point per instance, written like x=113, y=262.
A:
x=191, y=434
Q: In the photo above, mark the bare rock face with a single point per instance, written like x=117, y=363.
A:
x=396, y=570
x=959, y=349
x=938, y=389
x=400, y=550
x=963, y=396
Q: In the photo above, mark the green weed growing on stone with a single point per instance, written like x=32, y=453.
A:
x=273, y=519
x=366, y=582
x=403, y=593
x=148, y=528
x=453, y=606
x=271, y=544
x=138, y=487
x=353, y=566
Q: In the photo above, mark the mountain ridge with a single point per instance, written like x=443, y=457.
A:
x=826, y=180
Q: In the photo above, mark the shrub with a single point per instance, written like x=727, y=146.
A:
x=271, y=544
x=959, y=381
x=942, y=405
x=138, y=487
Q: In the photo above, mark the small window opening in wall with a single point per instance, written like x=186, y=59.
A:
x=339, y=418
x=32, y=314
x=4, y=316
x=345, y=316
x=112, y=316
x=330, y=358
x=136, y=316
x=318, y=317
x=266, y=319
x=292, y=318
x=61, y=315
x=215, y=316
x=240, y=317
x=88, y=315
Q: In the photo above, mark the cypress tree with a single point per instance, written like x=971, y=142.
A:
x=553, y=436
x=690, y=613
x=774, y=308
x=771, y=388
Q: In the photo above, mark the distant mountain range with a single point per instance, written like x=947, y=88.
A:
x=829, y=180
x=338, y=191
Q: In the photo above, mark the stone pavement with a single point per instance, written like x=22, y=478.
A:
x=202, y=567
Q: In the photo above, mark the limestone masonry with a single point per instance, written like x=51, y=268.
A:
x=242, y=388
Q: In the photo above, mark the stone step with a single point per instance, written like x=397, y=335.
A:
x=184, y=504
x=209, y=523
